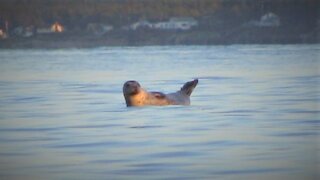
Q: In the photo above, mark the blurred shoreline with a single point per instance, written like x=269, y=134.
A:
x=85, y=24
x=146, y=37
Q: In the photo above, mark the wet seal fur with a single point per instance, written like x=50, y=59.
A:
x=135, y=95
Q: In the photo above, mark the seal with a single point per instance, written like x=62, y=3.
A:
x=135, y=95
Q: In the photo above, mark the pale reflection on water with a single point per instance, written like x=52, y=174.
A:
x=254, y=114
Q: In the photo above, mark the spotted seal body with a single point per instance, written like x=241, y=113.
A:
x=137, y=96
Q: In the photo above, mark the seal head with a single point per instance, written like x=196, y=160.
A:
x=131, y=88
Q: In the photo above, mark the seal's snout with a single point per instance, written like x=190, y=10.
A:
x=131, y=87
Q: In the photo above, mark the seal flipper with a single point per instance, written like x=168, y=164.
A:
x=158, y=95
x=189, y=86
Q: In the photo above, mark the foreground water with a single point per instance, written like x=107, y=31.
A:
x=254, y=114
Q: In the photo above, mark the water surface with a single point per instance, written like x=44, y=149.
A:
x=254, y=113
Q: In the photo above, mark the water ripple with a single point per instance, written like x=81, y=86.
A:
x=252, y=171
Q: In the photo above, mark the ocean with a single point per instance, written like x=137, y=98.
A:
x=253, y=115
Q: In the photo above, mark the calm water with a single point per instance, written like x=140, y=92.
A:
x=254, y=114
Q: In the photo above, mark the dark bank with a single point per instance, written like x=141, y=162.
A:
x=81, y=23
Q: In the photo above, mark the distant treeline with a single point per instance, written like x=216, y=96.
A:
x=120, y=12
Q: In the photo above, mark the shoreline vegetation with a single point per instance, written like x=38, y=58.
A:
x=85, y=24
